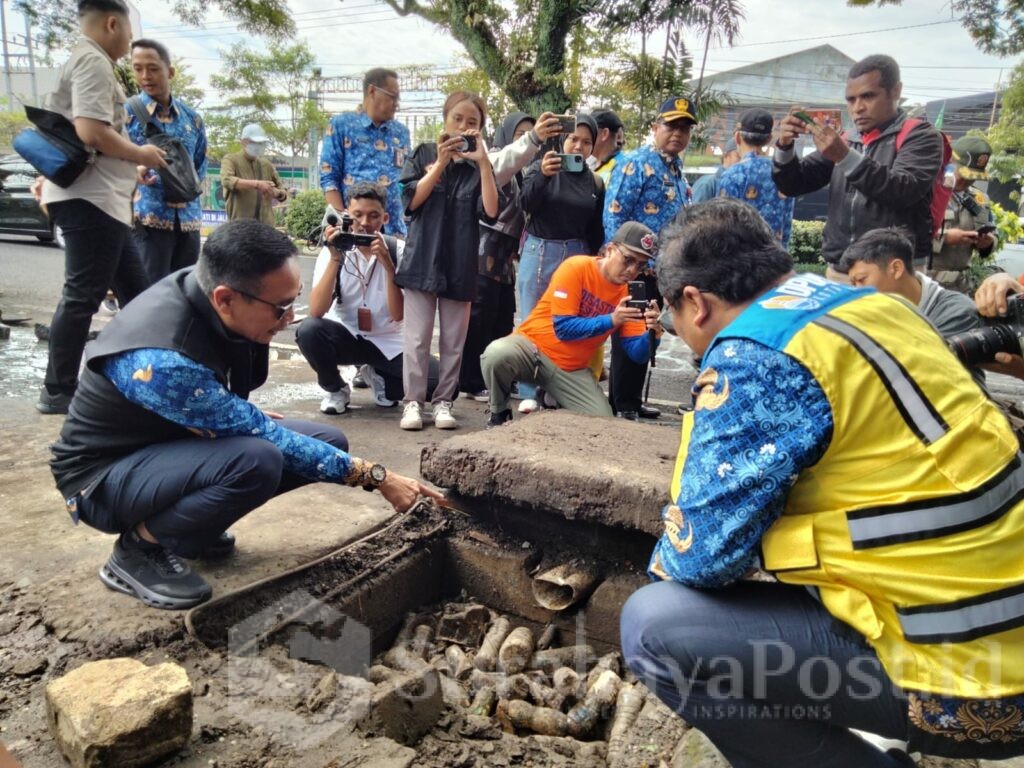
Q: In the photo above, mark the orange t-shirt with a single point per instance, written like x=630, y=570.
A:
x=576, y=289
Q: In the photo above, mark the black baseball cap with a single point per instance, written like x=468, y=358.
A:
x=638, y=238
x=756, y=120
x=605, y=118
x=104, y=6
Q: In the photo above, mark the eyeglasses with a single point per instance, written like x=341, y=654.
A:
x=280, y=310
x=633, y=262
x=386, y=92
x=676, y=127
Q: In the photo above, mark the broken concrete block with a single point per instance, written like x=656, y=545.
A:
x=119, y=712
x=405, y=707
x=695, y=750
x=522, y=462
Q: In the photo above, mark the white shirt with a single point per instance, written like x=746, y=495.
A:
x=354, y=273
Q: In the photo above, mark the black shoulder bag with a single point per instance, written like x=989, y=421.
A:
x=179, y=178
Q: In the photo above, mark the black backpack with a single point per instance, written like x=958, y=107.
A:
x=179, y=178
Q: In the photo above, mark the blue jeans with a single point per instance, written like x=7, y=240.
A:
x=765, y=672
x=537, y=263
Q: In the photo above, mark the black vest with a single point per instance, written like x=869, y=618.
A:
x=102, y=425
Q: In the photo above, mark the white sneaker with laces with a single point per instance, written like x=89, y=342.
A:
x=377, y=385
x=443, y=418
x=529, y=405
x=412, y=416
x=336, y=402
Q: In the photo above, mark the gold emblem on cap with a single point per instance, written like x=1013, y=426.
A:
x=682, y=105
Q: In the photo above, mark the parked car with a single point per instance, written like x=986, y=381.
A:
x=20, y=214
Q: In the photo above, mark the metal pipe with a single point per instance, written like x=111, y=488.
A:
x=564, y=585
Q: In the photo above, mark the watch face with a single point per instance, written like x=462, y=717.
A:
x=378, y=473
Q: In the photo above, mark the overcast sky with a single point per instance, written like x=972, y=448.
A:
x=936, y=54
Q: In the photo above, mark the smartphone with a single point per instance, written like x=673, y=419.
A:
x=988, y=229
x=831, y=118
x=805, y=117
x=568, y=122
x=572, y=163
x=637, y=295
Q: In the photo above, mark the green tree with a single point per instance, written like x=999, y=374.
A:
x=56, y=21
x=1007, y=135
x=12, y=122
x=996, y=26
x=269, y=89
x=524, y=47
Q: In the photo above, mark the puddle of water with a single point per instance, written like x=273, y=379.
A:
x=22, y=363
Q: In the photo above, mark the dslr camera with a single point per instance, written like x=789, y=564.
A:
x=345, y=240
x=1002, y=334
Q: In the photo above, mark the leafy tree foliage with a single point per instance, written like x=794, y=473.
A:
x=56, y=21
x=259, y=88
x=996, y=26
x=1007, y=136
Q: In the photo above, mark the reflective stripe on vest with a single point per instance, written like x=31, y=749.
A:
x=964, y=620
x=931, y=518
x=919, y=414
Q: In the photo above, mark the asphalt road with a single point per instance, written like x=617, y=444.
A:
x=31, y=276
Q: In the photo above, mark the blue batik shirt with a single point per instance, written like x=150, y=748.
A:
x=179, y=389
x=760, y=419
x=355, y=149
x=645, y=186
x=750, y=180
x=179, y=120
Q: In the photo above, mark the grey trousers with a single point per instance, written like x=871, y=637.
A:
x=420, y=309
x=516, y=358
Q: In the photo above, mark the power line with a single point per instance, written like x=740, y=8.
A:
x=832, y=37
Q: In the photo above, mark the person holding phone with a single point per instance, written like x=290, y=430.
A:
x=447, y=187
x=967, y=225
x=563, y=200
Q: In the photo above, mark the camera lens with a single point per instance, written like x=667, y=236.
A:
x=463, y=145
x=982, y=344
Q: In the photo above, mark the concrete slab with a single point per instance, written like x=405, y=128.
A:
x=585, y=468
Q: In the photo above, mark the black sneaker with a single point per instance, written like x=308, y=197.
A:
x=154, y=576
x=628, y=415
x=53, y=404
x=223, y=546
x=498, y=419
x=649, y=412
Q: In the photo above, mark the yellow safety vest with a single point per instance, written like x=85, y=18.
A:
x=910, y=528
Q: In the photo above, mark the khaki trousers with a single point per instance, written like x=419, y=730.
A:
x=418, y=325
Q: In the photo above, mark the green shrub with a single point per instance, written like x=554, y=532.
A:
x=305, y=213
x=805, y=242
x=818, y=269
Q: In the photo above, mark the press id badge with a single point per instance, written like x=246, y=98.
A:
x=364, y=319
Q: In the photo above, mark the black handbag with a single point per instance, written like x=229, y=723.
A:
x=53, y=147
x=180, y=180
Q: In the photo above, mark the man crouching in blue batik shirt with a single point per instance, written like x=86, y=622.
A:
x=160, y=444
x=168, y=233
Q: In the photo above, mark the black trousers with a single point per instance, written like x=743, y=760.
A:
x=626, y=378
x=492, y=317
x=326, y=344
x=99, y=254
x=188, y=492
x=166, y=250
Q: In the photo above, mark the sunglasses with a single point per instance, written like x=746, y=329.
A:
x=280, y=310
x=386, y=92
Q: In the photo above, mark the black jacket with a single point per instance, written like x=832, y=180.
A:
x=444, y=235
x=102, y=425
x=887, y=188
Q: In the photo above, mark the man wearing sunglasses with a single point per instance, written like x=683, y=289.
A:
x=161, y=445
x=586, y=301
x=367, y=145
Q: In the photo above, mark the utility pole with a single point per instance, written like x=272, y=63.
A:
x=995, y=100
x=313, y=94
x=31, y=61
x=7, y=56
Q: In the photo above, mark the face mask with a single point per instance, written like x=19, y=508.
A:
x=255, y=150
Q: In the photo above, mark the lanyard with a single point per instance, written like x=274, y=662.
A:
x=357, y=272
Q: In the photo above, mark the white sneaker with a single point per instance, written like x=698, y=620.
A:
x=412, y=417
x=362, y=378
x=377, y=385
x=443, y=418
x=336, y=402
x=109, y=306
x=529, y=405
